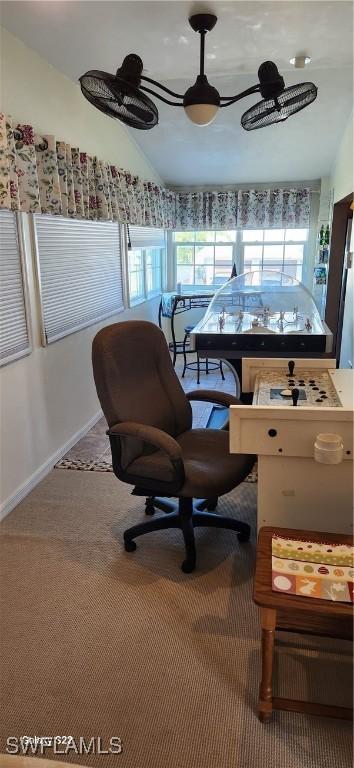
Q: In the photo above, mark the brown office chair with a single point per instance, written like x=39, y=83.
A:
x=154, y=447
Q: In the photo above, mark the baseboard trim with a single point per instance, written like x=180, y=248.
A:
x=11, y=502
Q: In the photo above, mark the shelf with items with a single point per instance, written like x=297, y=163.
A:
x=320, y=275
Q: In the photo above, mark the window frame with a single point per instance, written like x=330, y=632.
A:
x=194, y=244
x=283, y=243
x=238, y=249
x=146, y=295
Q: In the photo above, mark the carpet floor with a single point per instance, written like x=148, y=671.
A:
x=99, y=642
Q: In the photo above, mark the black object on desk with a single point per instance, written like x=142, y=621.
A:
x=291, y=366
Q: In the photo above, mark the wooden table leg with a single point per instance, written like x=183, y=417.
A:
x=265, y=701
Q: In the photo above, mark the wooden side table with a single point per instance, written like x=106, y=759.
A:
x=292, y=613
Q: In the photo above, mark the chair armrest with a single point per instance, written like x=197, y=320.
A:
x=148, y=434
x=213, y=396
x=156, y=437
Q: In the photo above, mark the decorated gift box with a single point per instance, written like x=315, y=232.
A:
x=311, y=569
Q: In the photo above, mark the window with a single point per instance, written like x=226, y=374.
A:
x=14, y=336
x=79, y=273
x=282, y=250
x=204, y=258
x=145, y=263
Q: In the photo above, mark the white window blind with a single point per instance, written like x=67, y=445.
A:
x=146, y=237
x=80, y=273
x=14, y=338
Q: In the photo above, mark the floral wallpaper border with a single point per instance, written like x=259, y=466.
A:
x=39, y=174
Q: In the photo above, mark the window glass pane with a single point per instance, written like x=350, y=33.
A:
x=296, y=235
x=153, y=281
x=205, y=237
x=274, y=254
x=222, y=274
x=185, y=254
x=136, y=274
x=184, y=237
x=204, y=254
x=253, y=255
x=136, y=285
x=153, y=271
x=252, y=280
x=226, y=236
x=298, y=274
x=251, y=267
x=294, y=253
x=252, y=235
x=153, y=258
x=271, y=268
x=204, y=275
x=185, y=275
x=135, y=259
x=294, y=270
x=223, y=253
x=273, y=235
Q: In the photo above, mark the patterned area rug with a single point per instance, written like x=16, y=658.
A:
x=106, y=466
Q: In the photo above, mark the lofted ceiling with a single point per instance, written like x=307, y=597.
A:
x=77, y=36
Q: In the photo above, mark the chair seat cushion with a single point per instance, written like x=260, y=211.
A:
x=210, y=469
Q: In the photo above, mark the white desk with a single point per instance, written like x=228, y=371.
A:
x=294, y=490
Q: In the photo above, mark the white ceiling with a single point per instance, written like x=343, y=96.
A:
x=77, y=36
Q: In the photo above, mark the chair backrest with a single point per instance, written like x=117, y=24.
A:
x=135, y=378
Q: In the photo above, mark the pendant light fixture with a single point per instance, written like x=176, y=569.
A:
x=124, y=95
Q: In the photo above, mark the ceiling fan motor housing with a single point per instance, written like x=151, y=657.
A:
x=271, y=82
x=201, y=93
x=131, y=69
x=203, y=22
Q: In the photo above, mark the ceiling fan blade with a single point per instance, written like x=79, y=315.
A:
x=138, y=111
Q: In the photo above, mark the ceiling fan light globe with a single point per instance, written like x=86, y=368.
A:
x=201, y=102
x=201, y=114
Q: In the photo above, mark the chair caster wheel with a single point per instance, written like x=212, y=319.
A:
x=187, y=566
x=129, y=546
x=149, y=509
x=244, y=536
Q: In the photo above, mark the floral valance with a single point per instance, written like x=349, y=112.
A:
x=39, y=174
x=42, y=174
x=240, y=209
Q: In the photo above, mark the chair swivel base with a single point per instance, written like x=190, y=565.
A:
x=168, y=505
x=187, y=517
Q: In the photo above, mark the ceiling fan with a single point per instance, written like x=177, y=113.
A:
x=124, y=95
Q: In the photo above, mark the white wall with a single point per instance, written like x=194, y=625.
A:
x=342, y=177
x=49, y=397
